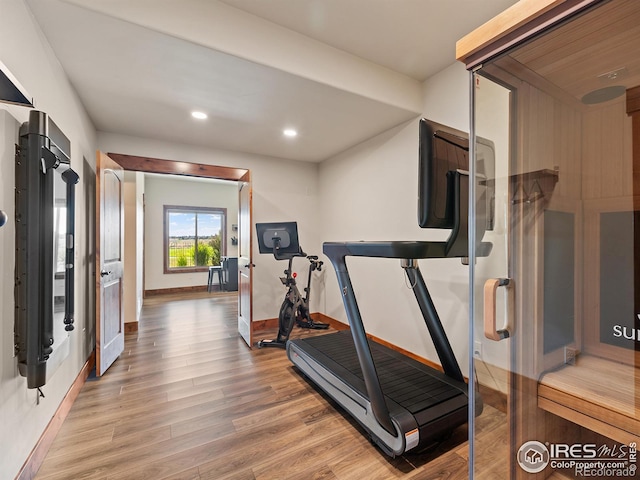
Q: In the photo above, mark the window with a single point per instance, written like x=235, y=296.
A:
x=194, y=238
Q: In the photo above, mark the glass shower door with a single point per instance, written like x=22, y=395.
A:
x=556, y=302
x=491, y=345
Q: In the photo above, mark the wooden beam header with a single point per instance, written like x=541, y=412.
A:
x=156, y=165
x=516, y=24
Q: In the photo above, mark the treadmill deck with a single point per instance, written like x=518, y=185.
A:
x=437, y=402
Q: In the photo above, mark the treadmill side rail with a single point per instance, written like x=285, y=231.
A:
x=434, y=325
x=371, y=380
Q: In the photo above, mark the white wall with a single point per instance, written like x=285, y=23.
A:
x=132, y=195
x=139, y=242
x=28, y=57
x=283, y=190
x=370, y=193
x=161, y=190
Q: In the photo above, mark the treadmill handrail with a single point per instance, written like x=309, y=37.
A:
x=399, y=249
x=385, y=249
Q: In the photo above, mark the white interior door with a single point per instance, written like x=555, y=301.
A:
x=109, y=278
x=245, y=264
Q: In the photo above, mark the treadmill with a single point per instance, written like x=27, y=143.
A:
x=403, y=404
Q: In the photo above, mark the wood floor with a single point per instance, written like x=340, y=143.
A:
x=188, y=400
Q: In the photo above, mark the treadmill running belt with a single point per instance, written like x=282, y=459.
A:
x=405, y=381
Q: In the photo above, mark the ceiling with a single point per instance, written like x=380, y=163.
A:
x=592, y=52
x=338, y=71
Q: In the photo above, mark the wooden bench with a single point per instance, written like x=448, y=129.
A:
x=598, y=394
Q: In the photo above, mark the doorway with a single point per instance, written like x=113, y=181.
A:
x=241, y=178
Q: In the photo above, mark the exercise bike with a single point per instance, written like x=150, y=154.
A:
x=295, y=307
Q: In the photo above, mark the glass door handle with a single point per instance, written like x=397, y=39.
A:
x=490, y=289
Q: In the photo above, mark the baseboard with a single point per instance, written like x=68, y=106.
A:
x=39, y=452
x=167, y=291
x=270, y=323
x=407, y=353
x=333, y=323
x=131, y=327
x=495, y=398
x=264, y=324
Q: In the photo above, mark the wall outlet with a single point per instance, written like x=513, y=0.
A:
x=477, y=349
x=570, y=355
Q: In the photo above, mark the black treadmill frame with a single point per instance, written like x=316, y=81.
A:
x=409, y=252
x=398, y=431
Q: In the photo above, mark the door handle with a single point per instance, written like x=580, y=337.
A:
x=490, y=290
x=104, y=273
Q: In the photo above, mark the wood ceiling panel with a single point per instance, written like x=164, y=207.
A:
x=574, y=55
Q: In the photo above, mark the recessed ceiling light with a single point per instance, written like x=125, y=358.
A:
x=199, y=115
x=289, y=132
